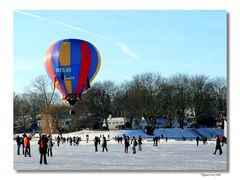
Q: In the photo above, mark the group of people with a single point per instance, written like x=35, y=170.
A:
x=75, y=140
x=45, y=144
x=220, y=141
x=24, y=141
x=134, y=142
x=202, y=138
x=157, y=139
x=97, y=141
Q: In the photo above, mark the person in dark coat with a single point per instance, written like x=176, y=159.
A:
x=43, y=148
x=140, y=143
x=58, y=140
x=134, y=144
x=22, y=143
x=87, y=138
x=197, y=140
x=218, y=145
x=18, y=141
x=126, y=143
x=155, y=141
x=96, y=143
x=104, y=144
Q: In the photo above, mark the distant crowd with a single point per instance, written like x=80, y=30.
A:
x=46, y=144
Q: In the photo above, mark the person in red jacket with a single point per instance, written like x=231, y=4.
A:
x=43, y=148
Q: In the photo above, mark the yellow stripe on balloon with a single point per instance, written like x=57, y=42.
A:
x=98, y=67
x=64, y=55
x=68, y=84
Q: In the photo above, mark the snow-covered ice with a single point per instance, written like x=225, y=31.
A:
x=171, y=155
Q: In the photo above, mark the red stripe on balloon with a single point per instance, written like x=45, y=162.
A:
x=85, y=65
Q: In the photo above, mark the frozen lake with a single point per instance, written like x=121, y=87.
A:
x=173, y=155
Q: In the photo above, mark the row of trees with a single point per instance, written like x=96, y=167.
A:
x=147, y=95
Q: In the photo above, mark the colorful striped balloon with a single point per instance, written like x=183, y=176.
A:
x=72, y=64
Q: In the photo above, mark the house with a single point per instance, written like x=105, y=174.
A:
x=139, y=123
x=116, y=122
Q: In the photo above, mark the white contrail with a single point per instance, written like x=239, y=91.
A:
x=197, y=63
x=127, y=51
x=29, y=14
x=69, y=26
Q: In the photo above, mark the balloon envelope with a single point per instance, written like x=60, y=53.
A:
x=72, y=64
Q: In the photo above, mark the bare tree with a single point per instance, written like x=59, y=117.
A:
x=42, y=87
x=37, y=97
x=180, y=82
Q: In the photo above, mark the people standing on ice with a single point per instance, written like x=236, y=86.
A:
x=155, y=141
x=96, y=143
x=140, y=143
x=166, y=139
x=18, y=141
x=223, y=140
x=58, y=140
x=77, y=141
x=22, y=143
x=204, y=139
x=43, y=149
x=70, y=141
x=63, y=140
x=197, y=140
x=218, y=145
x=121, y=139
x=74, y=140
x=26, y=141
x=87, y=138
x=104, y=144
x=49, y=146
x=134, y=144
x=126, y=143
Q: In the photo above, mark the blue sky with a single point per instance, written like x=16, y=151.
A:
x=129, y=42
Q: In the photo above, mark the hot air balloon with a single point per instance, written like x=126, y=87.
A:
x=72, y=64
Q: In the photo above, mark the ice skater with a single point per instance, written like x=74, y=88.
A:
x=26, y=141
x=218, y=145
x=96, y=140
x=18, y=141
x=43, y=149
x=50, y=145
x=126, y=143
x=104, y=144
x=197, y=140
x=134, y=144
x=140, y=143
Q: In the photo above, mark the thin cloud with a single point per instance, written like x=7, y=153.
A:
x=124, y=48
x=70, y=26
x=30, y=14
x=197, y=63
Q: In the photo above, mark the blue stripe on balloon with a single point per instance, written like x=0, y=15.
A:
x=76, y=56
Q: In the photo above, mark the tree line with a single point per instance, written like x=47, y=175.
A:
x=147, y=95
